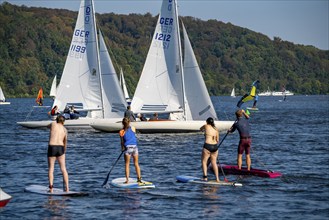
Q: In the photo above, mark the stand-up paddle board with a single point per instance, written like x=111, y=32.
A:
x=232, y=169
x=192, y=179
x=132, y=184
x=43, y=190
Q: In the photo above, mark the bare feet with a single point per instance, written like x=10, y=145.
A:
x=51, y=188
x=127, y=181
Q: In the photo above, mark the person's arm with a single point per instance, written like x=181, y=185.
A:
x=217, y=137
x=245, y=114
x=65, y=140
x=121, y=133
x=203, y=128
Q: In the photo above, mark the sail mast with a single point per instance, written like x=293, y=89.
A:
x=98, y=59
x=180, y=60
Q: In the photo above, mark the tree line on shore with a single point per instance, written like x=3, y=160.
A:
x=35, y=43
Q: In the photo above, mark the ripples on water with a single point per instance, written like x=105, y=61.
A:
x=291, y=137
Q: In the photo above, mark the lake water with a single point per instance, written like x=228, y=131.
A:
x=291, y=137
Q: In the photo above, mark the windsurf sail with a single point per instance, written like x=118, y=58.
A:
x=249, y=96
x=39, y=99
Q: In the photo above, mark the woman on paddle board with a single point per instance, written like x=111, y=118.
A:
x=56, y=151
x=242, y=125
x=129, y=146
x=210, y=148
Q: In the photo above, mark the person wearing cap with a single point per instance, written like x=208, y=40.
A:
x=242, y=125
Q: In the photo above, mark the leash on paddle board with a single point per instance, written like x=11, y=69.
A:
x=263, y=164
x=108, y=175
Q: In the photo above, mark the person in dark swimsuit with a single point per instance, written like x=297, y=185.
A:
x=242, y=125
x=56, y=151
x=210, y=148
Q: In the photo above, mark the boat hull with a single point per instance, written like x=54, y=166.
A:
x=159, y=126
x=81, y=123
x=4, y=103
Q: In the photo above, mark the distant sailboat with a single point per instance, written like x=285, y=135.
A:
x=124, y=87
x=39, y=99
x=233, y=93
x=2, y=98
x=53, y=89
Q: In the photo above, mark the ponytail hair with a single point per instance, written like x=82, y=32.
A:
x=125, y=122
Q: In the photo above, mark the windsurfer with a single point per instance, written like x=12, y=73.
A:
x=210, y=147
x=56, y=151
x=242, y=125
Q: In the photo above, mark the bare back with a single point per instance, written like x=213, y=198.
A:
x=211, y=134
x=58, y=134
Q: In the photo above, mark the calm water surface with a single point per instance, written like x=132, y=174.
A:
x=291, y=137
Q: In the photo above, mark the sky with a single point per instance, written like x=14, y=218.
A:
x=303, y=22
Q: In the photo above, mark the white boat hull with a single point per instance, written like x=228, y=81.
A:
x=81, y=123
x=159, y=126
x=4, y=103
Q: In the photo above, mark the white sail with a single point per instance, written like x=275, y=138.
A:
x=81, y=81
x=159, y=88
x=233, y=93
x=2, y=96
x=53, y=87
x=114, y=101
x=124, y=85
x=197, y=95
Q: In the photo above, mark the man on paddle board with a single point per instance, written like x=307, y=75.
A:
x=56, y=151
x=129, y=146
x=242, y=125
x=210, y=148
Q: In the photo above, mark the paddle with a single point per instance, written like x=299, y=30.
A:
x=219, y=146
x=108, y=175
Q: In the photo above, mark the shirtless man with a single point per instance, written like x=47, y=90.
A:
x=210, y=148
x=56, y=151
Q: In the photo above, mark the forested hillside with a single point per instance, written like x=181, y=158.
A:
x=34, y=43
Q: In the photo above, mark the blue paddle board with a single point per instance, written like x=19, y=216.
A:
x=44, y=190
x=132, y=184
x=192, y=179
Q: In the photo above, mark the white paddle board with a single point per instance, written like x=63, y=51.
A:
x=192, y=179
x=252, y=109
x=44, y=190
x=132, y=184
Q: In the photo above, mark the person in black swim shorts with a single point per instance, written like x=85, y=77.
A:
x=242, y=125
x=210, y=148
x=56, y=151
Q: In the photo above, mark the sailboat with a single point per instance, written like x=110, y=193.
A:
x=124, y=87
x=167, y=85
x=53, y=88
x=4, y=198
x=2, y=98
x=87, y=68
x=233, y=93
